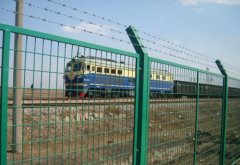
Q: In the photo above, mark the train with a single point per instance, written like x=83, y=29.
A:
x=101, y=77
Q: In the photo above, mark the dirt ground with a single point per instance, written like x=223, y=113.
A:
x=103, y=134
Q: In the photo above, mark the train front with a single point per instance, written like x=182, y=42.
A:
x=74, y=79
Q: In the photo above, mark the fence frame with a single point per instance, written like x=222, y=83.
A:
x=141, y=112
x=224, y=113
x=141, y=99
x=196, y=120
x=7, y=31
x=4, y=96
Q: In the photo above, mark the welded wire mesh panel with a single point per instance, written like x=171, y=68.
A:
x=76, y=104
x=233, y=122
x=209, y=123
x=171, y=114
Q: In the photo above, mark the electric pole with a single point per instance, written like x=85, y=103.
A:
x=17, y=86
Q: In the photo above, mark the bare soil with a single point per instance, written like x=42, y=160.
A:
x=103, y=134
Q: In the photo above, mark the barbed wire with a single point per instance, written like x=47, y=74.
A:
x=229, y=66
x=182, y=58
x=87, y=13
x=232, y=72
x=99, y=34
x=176, y=50
x=111, y=29
x=174, y=44
x=47, y=9
x=145, y=33
x=125, y=26
x=110, y=37
x=79, y=28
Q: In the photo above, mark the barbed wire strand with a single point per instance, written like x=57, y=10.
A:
x=111, y=29
x=72, y=27
x=125, y=26
x=87, y=13
x=47, y=9
x=229, y=66
x=110, y=37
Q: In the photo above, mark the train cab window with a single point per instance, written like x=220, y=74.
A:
x=106, y=70
x=77, y=67
x=99, y=69
x=113, y=71
x=164, y=78
x=88, y=67
x=157, y=77
x=93, y=68
x=69, y=67
x=119, y=72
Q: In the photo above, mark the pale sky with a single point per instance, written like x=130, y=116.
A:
x=211, y=27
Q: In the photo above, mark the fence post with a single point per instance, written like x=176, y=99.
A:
x=4, y=97
x=196, y=120
x=224, y=113
x=140, y=152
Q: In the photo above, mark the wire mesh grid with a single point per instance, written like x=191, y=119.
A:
x=210, y=118
x=171, y=114
x=233, y=124
x=76, y=108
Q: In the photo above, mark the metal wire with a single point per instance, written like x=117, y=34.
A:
x=182, y=58
x=88, y=13
x=111, y=21
x=63, y=129
x=114, y=30
x=178, y=51
x=109, y=37
x=120, y=32
x=79, y=28
x=198, y=54
x=47, y=9
x=57, y=130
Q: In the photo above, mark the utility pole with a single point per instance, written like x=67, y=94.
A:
x=17, y=86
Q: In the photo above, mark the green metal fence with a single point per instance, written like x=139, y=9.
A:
x=136, y=110
x=233, y=126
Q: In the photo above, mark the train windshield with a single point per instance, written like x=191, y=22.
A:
x=69, y=67
x=77, y=67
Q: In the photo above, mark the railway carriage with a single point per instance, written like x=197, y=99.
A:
x=188, y=89
x=100, y=77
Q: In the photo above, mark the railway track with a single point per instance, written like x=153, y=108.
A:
x=77, y=102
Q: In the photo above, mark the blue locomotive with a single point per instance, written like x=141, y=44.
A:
x=100, y=77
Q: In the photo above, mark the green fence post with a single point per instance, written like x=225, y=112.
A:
x=196, y=120
x=141, y=100
x=224, y=113
x=4, y=97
